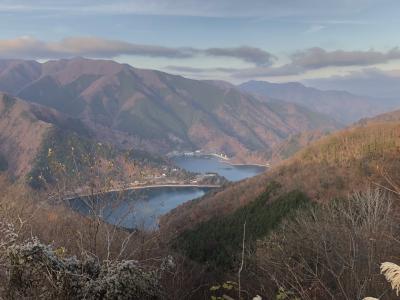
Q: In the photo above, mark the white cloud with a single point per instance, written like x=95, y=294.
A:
x=28, y=47
x=315, y=58
x=368, y=81
x=314, y=29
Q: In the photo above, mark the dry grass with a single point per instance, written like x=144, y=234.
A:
x=333, y=252
x=335, y=166
x=392, y=275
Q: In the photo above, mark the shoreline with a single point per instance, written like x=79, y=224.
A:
x=246, y=165
x=114, y=190
x=224, y=160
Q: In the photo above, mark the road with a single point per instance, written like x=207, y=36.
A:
x=71, y=196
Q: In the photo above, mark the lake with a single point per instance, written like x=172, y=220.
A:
x=137, y=208
x=211, y=164
x=141, y=208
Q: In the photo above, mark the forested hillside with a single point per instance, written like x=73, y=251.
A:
x=333, y=166
x=43, y=147
x=347, y=186
x=156, y=111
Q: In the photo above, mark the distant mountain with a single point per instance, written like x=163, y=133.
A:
x=343, y=106
x=393, y=116
x=156, y=111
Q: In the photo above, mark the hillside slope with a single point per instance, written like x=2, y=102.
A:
x=42, y=146
x=157, y=111
x=21, y=135
x=334, y=166
x=343, y=106
x=393, y=116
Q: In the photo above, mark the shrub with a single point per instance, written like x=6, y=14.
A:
x=332, y=252
x=216, y=242
x=37, y=271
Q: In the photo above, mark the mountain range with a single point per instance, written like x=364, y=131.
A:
x=82, y=125
x=99, y=101
x=156, y=111
x=344, y=107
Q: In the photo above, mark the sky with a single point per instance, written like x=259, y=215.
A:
x=330, y=44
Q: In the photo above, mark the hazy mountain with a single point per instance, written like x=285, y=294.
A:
x=15, y=74
x=393, y=116
x=343, y=106
x=157, y=111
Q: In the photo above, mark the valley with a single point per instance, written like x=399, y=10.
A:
x=139, y=205
x=171, y=166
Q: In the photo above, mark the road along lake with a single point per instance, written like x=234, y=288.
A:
x=141, y=208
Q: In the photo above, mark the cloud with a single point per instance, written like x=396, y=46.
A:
x=316, y=58
x=259, y=72
x=306, y=60
x=90, y=46
x=368, y=81
x=185, y=69
x=28, y=47
x=240, y=73
x=192, y=70
x=314, y=29
x=249, y=54
x=264, y=63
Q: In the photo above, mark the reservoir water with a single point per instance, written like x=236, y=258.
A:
x=141, y=208
x=136, y=208
x=211, y=164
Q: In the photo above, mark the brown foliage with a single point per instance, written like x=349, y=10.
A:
x=333, y=252
x=335, y=166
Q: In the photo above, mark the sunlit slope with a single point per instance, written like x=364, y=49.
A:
x=331, y=167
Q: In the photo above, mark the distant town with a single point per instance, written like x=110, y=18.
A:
x=199, y=153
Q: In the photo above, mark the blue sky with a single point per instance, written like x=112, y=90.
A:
x=322, y=43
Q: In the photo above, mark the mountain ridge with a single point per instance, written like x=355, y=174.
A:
x=157, y=111
x=42, y=147
x=341, y=105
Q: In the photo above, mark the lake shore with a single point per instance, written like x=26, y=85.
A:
x=142, y=187
x=222, y=159
x=245, y=164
